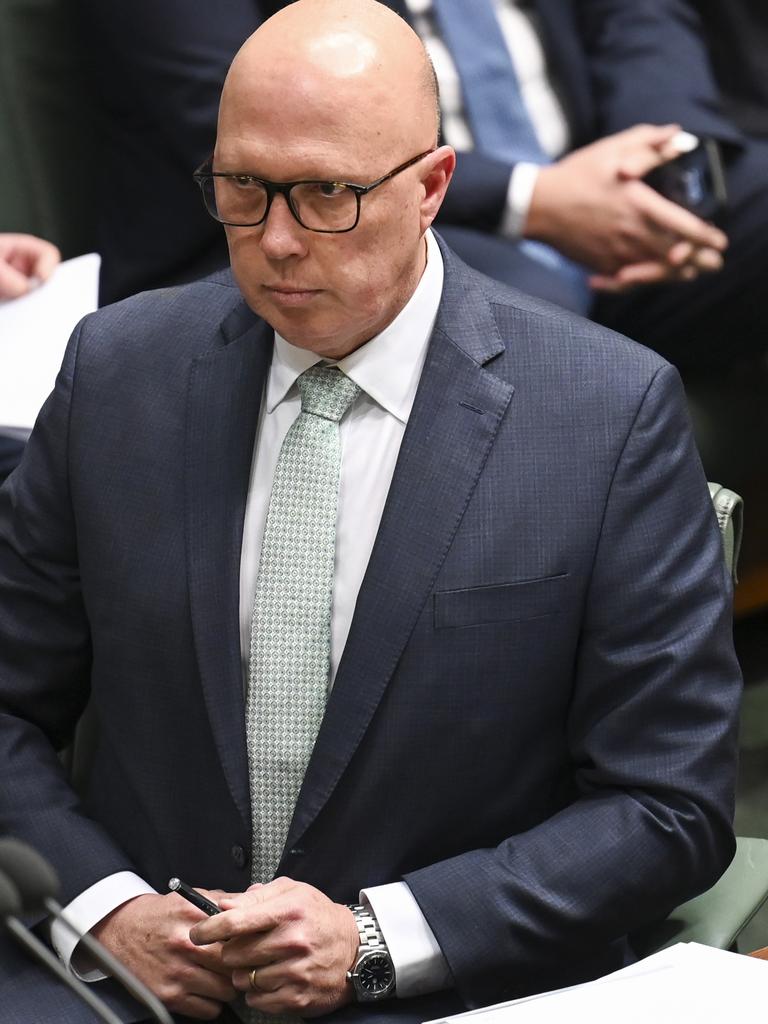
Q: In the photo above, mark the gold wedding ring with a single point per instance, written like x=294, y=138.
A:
x=252, y=980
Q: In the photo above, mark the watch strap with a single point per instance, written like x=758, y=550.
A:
x=372, y=944
x=367, y=927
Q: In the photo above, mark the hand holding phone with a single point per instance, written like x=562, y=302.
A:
x=695, y=179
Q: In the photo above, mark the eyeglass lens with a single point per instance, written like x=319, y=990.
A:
x=318, y=205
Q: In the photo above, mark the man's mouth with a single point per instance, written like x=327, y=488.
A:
x=290, y=295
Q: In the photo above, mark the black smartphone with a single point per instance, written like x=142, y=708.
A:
x=695, y=179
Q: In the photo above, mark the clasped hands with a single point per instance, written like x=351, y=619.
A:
x=593, y=206
x=285, y=946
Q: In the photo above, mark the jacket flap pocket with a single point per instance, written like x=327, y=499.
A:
x=506, y=602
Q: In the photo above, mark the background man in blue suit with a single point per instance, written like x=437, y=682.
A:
x=528, y=745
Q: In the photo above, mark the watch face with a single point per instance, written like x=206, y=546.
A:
x=375, y=974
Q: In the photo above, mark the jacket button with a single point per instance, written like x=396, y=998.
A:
x=239, y=856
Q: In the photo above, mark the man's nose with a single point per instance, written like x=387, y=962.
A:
x=282, y=236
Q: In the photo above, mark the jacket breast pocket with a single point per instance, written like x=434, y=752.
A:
x=505, y=602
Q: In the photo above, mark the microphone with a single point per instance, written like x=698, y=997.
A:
x=37, y=886
x=10, y=905
x=10, y=901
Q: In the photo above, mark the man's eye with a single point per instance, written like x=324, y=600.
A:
x=243, y=180
x=329, y=189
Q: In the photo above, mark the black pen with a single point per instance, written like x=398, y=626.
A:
x=194, y=897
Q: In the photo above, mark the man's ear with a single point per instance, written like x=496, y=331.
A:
x=436, y=176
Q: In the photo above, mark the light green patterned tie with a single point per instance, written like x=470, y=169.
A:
x=291, y=625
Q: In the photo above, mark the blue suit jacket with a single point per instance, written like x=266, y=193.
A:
x=533, y=722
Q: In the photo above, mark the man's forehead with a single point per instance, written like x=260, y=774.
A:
x=310, y=134
x=302, y=158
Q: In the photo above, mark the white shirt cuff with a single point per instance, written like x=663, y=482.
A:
x=522, y=182
x=85, y=911
x=419, y=964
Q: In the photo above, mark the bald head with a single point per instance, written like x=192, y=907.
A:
x=327, y=154
x=340, y=57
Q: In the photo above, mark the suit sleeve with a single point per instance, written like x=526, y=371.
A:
x=45, y=653
x=651, y=736
x=477, y=196
x=649, y=63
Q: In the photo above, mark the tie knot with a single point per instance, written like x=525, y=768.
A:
x=326, y=391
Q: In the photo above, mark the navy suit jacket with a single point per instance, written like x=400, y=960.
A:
x=533, y=722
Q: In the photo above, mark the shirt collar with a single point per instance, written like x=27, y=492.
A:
x=387, y=367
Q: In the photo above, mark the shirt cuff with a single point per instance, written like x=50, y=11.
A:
x=522, y=182
x=419, y=964
x=85, y=911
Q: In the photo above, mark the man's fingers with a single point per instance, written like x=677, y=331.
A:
x=235, y=920
x=665, y=215
x=267, y=978
x=681, y=253
x=708, y=260
x=650, y=272
x=257, y=910
x=207, y=984
x=217, y=986
x=46, y=261
x=240, y=954
x=197, y=1008
x=633, y=275
x=645, y=147
x=195, y=990
x=31, y=257
x=209, y=958
x=13, y=283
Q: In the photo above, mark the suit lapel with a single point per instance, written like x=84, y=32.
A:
x=457, y=412
x=225, y=390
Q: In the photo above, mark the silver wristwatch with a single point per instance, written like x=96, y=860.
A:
x=373, y=976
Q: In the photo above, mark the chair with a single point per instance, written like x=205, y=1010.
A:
x=717, y=917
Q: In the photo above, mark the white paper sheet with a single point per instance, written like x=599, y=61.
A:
x=34, y=331
x=687, y=982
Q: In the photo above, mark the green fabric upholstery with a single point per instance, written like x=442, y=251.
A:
x=717, y=916
x=729, y=512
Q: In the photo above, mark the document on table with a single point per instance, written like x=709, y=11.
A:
x=687, y=982
x=34, y=331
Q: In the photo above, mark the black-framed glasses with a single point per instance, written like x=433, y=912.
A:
x=244, y=201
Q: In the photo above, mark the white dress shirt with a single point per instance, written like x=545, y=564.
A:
x=547, y=116
x=387, y=369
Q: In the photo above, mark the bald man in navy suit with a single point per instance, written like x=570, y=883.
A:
x=528, y=743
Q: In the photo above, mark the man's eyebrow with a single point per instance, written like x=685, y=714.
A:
x=284, y=181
